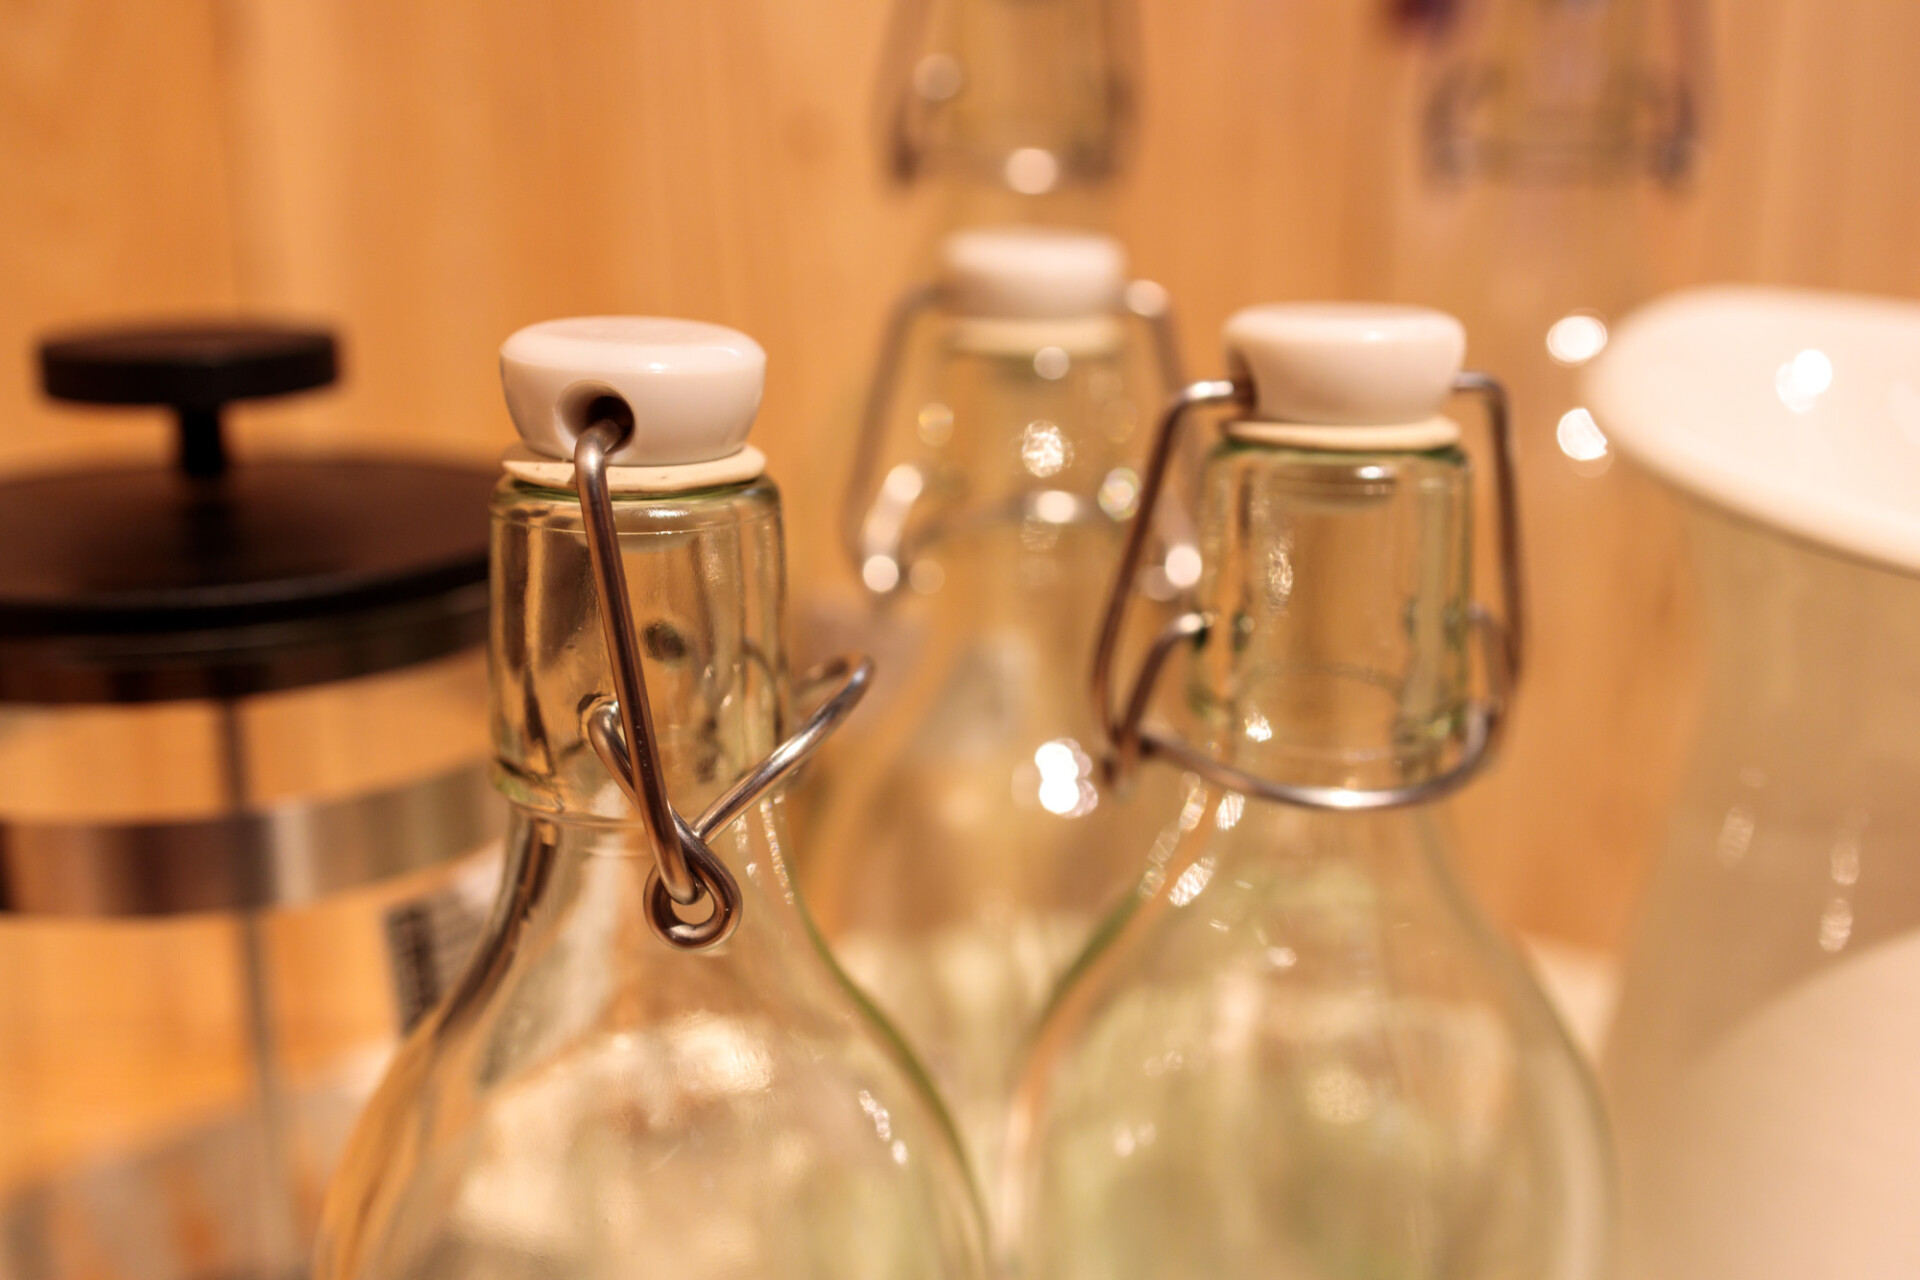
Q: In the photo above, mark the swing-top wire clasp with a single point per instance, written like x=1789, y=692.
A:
x=621, y=731
x=1501, y=637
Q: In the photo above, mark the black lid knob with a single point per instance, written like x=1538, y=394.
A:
x=194, y=368
x=137, y=584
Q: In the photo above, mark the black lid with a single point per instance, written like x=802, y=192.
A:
x=136, y=585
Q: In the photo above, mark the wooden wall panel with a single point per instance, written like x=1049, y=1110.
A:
x=115, y=193
x=436, y=175
x=115, y=198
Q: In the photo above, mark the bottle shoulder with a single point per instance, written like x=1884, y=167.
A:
x=591, y=1094
x=1238, y=950
x=1261, y=1062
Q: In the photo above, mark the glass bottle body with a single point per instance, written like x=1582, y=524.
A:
x=593, y=1099
x=1297, y=1050
x=965, y=846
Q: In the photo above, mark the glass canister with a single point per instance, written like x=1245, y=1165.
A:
x=244, y=820
x=1761, y=1064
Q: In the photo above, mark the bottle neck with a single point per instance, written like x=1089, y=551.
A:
x=1019, y=407
x=1025, y=100
x=706, y=577
x=1338, y=585
x=1029, y=428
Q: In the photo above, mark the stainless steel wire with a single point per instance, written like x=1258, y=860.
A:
x=1501, y=639
x=620, y=729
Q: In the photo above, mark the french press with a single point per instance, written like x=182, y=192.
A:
x=242, y=808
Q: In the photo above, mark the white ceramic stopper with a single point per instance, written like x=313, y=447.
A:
x=1031, y=273
x=693, y=388
x=1346, y=364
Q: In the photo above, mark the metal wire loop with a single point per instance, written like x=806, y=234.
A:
x=1500, y=639
x=620, y=730
x=717, y=887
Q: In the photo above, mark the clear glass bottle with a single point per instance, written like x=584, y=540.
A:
x=1298, y=1050
x=964, y=845
x=595, y=1098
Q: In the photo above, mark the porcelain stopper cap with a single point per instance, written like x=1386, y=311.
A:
x=693, y=387
x=1031, y=273
x=1346, y=364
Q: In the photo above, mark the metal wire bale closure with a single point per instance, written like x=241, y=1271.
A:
x=1500, y=638
x=620, y=730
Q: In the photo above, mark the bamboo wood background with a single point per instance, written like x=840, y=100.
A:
x=430, y=175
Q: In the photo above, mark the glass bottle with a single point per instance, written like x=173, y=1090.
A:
x=964, y=845
x=1297, y=1050
x=651, y=1064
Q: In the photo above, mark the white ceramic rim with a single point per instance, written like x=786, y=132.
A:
x=1617, y=393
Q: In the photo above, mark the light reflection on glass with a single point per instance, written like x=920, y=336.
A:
x=1800, y=381
x=1056, y=506
x=1232, y=805
x=1191, y=882
x=1836, y=925
x=1044, y=449
x=1032, y=171
x=882, y=1121
x=935, y=424
x=1051, y=363
x=1279, y=577
x=1576, y=338
x=903, y=484
x=1066, y=773
x=1195, y=806
x=717, y=1060
x=1580, y=437
x=1258, y=727
x=1120, y=493
x=1183, y=565
x=1843, y=859
x=880, y=573
x=1736, y=833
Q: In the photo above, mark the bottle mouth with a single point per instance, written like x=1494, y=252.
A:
x=748, y=463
